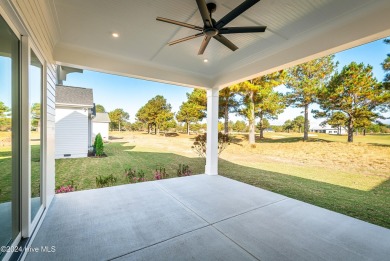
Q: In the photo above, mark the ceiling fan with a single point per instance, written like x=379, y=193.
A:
x=214, y=29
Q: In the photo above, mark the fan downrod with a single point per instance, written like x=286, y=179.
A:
x=212, y=7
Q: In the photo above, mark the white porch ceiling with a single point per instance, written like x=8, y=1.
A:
x=297, y=31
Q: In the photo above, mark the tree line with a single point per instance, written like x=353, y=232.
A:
x=352, y=98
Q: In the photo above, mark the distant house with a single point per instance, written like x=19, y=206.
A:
x=328, y=130
x=73, y=126
x=100, y=125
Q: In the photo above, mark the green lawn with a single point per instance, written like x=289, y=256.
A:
x=83, y=171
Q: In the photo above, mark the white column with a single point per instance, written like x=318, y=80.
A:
x=212, y=132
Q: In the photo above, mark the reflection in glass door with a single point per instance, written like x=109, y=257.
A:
x=9, y=136
x=35, y=82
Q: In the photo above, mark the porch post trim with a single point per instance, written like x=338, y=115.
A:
x=212, y=132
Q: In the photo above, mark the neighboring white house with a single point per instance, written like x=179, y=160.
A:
x=100, y=125
x=73, y=126
x=328, y=130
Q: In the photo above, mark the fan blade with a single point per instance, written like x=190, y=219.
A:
x=223, y=40
x=185, y=39
x=247, y=29
x=205, y=42
x=235, y=12
x=170, y=21
x=204, y=12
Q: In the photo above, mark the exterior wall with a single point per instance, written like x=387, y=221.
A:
x=71, y=133
x=100, y=127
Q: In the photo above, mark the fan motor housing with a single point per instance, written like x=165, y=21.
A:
x=210, y=31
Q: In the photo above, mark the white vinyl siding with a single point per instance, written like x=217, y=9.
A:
x=71, y=133
x=100, y=127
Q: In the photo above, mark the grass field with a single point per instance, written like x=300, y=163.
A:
x=353, y=179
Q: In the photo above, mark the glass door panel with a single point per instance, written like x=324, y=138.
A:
x=35, y=74
x=9, y=136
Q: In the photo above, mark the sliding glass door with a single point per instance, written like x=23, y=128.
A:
x=9, y=136
x=35, y=84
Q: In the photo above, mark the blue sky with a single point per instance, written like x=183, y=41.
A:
x=130, y=94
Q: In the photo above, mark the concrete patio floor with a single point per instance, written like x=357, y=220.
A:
x=201, y=218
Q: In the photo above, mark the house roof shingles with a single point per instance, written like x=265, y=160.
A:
x=74, y=95
x=101, y=117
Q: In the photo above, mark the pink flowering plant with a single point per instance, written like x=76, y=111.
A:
x=140, y=176
x=134, y=176
x=184, y=170
x=160, y=174
x=130, y=174
x=66, y=188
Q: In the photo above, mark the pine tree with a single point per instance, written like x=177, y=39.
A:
x=269, y=104
x=356, y=93
x=250, y=92
x=118, y=118
x=227, y=104
x=155, y=112
x=194, y=109
x=305, y=80
x=100, y=108
x=386, y=67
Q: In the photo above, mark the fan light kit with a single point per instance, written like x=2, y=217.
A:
x=214, y=29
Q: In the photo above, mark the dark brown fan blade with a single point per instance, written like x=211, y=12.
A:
x=205, y=42
x=246, y=29
x=185, y=39
x=235, y=12
x=204, y=12
x=223, y=40
x=170, y=21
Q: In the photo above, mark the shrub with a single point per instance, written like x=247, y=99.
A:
x=98, y=145
x=160, y=174
x=184, y=170
x=200, y=142
x=105, y=181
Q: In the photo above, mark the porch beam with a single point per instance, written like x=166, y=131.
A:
x=212, y=132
